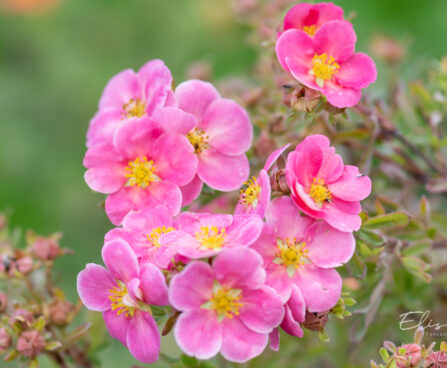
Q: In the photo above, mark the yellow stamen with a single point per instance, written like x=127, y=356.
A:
x=250, y=195
x=211, y=237
x=198, y=139
x=224, y=301
x=121, y=302
x=134, y=108
x=319, y=192
x=291, y=254
x=324, y=68
x=310, y=30
x=140, y=172
x=156, y=234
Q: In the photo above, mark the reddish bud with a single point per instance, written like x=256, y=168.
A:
x=60, y=311
x=315, y=321
x=24, y=265
x=22, y=315
x=46, y=248
x=5, y=340
x=30, y=343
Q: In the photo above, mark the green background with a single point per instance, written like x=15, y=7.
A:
x=54, y=65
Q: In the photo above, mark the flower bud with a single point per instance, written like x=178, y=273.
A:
x=60, y=311
x=5, y=340
x=315, y=321
x=30, y=343
x=24, y=265
x=3, y=302
x=46, y=248
x=22, y=315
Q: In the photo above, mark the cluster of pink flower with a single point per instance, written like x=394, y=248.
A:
x=232, y=280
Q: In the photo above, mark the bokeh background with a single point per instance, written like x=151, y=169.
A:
x=56, y=56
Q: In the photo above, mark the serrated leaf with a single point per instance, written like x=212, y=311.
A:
x=372, y=239
x=395, y=220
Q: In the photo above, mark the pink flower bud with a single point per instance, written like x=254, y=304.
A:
x=3, y=301
x=30, y=343
x=5, y=340
x=24, y=265
x=46, y=248
x=22, y=315
x=60, y=311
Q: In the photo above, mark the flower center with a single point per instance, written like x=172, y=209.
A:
x=319, y=192
x=310, y=30
x=134, y=108
x=291, y=254
x=121, y=302
x=249, y=195
x=156, y=234
x=324, y=67
x=224, y=301
x=210, y=237
x=140, y=172
x=198, y=139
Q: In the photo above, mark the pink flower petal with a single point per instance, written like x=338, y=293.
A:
x=191, y=191
x=274, y=156
x=244, y=230
x=103, y=126
x=352, y=186
x=239, y=343
x=297, y=47
x=340, y=219
x=279, y=280
x=357, y=72
x=263, y=198
x=290, y=325
x=239, y=268
x=321, y=288
x=105, y=173
x=153, y=285
x=147, y=219
x=331, y=167
x=174, y=159
x=328, y=12
x=296, y=15
x=285, y=217
x=120, y=90
x=228, y=127
x=119, y=204
x=93, y=285
x=306, y=163
x=340, y=96
x=143, y=338
x=221, y=172
x=262, y=309
x=198, y=333
x=135, y=137
x=192, y=287
x=266, y=245
x=155, y=80
x=274, y=339
x=194, y=96
x=174, y=120
x=120, y=260
x=337, y=39
x=328, y=247
x=297, y=305
x=117, y=325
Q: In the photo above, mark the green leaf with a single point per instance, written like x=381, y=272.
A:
x=356, y=267
x=395, y=220
x=188, y=361
x=372, y=239
x=53, y=345
x=384, y=354
x=416, y=249
x=323, y=336
x=39, y=325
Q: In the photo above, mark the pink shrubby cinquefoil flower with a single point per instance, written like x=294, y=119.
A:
x=327, y=63
x=123, y=292
x=310, y=17
x=129, y=94
x=202, y=235
x=225, y=307
x=143, y=230
x=219, y=131
x=300, y=254
x=140, y=169
x=255, y=195
x=323, y=187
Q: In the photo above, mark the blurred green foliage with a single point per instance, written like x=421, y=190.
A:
x=54, y=65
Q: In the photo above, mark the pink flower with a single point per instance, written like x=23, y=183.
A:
x=123, y=292
x=299, y=257
x=202, y=235
x=437, y=359
x=255, y=195
x=140, y=169
x=129, y=94
x=323, y=187
x=225, y=307
x=412, y=354
x=327, y=62
x=219, y=131
x=143, y=230
x=30, y=343
x=309, y=18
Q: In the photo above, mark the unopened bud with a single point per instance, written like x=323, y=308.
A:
x=46, y=248
x=30, y=343
x=5, y=340
x=23, y=316
x=278, y=182
x=24, y=265
x=60, y=311
x=315, y=321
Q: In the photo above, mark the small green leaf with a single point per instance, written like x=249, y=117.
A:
x=384, y=354
x=188, y=361
x=372, y=239
x=11, y=356
x=415, y=249
x=395, y=220
x=39, y=325
x=53, y=345
x=323, y=336
x=356, y=267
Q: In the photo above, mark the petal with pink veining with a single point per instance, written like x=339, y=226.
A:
x=337, y=39
x=120, y=260
x=153, y=285
x=295, y=46
x=103, y=126
x=244, y=230
x=93, y=285
x=191, y=191
x=352, y=186
x=143, y=338
x=357, y=72
x=121, y=88
x=117, y=325
x=174, y=120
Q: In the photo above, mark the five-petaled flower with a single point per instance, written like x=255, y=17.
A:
x=323, y=187
x=225, y=307
x=124, y=292
x=327, y=63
